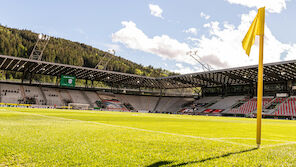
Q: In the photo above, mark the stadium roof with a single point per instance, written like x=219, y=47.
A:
x=273, y=72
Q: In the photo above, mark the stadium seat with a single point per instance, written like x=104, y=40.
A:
x=249, y=106
x=217, y=111
x=287, y=108
x=208, y=111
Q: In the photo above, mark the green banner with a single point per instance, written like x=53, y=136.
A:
x=68, y=81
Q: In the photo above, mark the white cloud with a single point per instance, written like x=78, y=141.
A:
x=223, y=47
x=155, y=10
x=191, y=31
x=163, y=46
x=185, y=70
x=272, y=6
x=205, y=16
x=192, y=39
x=291, y=53
x=179, y=65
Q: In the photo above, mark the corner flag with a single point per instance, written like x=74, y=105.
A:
x=257, y=28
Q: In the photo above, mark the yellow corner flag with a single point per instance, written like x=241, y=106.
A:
x=257, y=28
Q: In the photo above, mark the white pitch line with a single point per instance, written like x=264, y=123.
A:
x=138, y=129
x=242, y=138
x=281, y=144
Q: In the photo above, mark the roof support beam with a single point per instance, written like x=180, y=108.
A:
x=201, y=77
x=233, y=76
x=102, y=76
x=8, y=64
x=57, y=71
x=16, y=65
x=186, y=82
x=3, y=62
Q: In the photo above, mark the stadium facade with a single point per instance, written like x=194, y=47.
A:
x=229, y=92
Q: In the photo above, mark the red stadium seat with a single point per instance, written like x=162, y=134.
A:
x=287, y=108
x=249, y=106
x=217, y=111
x=208, y=111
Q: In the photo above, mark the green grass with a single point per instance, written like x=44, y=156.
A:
x=43, y=137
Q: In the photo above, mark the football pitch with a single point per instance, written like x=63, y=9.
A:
x=45, y=137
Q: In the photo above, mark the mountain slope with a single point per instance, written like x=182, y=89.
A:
x=14, y=42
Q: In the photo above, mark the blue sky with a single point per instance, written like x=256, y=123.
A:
x=159, y=33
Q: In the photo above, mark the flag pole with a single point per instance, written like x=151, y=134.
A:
x=257, y=28
x=260, y=91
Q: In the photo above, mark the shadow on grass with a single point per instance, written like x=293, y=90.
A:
x=160, y=163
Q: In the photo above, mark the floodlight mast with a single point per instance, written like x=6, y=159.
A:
x=39, y=47
x=205, y=66
x=100, y=64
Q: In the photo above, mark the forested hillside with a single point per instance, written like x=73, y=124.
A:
x=14, y=42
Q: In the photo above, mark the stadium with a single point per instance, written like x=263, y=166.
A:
x=65, y=103
x=226, y=92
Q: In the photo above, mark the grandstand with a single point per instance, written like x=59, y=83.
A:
x=287, y=107
x=226, y=92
